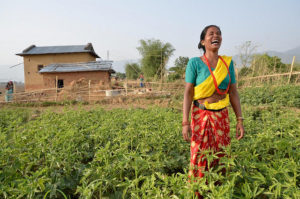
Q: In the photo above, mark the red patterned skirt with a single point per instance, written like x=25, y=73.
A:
x=210, y=131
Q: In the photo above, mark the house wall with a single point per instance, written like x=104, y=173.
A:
x=95, y=76
x=34, y=80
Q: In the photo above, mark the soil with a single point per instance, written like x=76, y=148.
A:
x=124, y=102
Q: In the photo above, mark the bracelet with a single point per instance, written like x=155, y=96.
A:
x=239, y=118
x=185, y=123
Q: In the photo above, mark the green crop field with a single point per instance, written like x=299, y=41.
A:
x=140, y=153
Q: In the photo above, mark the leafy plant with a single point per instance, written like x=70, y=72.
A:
x=140, y=153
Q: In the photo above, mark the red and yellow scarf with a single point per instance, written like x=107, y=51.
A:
x=207, y=87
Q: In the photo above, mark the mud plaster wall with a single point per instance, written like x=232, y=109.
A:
x=95, y=77
x=34, y=80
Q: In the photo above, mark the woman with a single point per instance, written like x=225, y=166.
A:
x=141, y=80
x=211, y=87
x=9, y=91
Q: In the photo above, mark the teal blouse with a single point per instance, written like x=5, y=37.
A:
x=197, y=71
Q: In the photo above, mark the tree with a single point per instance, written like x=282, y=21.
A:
x=263, y=64
x=180, y=66
x=244, y=71
x=246, y=51
x=120, y=75
x=155, y=55
x=132, y=70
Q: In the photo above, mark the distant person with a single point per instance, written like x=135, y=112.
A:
x=9, y=91
x=210, y=88
x=142, y=80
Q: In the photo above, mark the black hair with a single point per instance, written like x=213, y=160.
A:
x=203, y=34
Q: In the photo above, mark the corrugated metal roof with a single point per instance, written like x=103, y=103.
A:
x=78, y=67
x=34, y=50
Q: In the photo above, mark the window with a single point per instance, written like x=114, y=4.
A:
x=39, y=67
x=60, y=83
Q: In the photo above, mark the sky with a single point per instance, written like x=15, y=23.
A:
x=117, y=26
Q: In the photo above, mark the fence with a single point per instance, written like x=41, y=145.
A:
x=275, y=79
x=89, y=92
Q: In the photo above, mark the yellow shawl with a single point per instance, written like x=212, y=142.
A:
x=207, y=87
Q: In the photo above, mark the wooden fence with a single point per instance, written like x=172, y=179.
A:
x=89, y=92
x=275, y=79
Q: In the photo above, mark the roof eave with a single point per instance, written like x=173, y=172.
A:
x=24, y=54
x=112, y=71
x=109, y=70
x=95, y=54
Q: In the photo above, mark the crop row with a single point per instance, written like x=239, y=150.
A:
x=287, y=95
x=140, y=153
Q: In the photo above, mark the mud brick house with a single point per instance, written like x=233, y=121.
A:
x=50, y=66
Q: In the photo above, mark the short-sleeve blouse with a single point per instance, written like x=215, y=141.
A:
x=197, y=71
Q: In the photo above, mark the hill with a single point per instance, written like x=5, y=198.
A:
x=286, y=56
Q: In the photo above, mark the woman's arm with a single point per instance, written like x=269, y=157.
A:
x=187, y=101
x=236, y=105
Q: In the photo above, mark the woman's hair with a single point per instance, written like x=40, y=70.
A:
x=9, y=85
x=203, y=34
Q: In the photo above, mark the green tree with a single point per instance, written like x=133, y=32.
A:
x=263, y=64
x=155, y=55
x=120, y=75
x=180, y=66
x=132, y=70
x=245, y=71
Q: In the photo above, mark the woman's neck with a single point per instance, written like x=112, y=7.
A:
x=212, y=55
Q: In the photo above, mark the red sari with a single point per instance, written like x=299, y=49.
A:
x=210, y=130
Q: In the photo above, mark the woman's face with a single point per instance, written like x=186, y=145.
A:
x=213, y=39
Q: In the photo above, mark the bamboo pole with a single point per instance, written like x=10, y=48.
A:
x=264, y=70
x=89, y=90
x=56, y=91
x=273, y=75
x=254, y=63
x=291, y=71
x=274, y=65
x=126, y=91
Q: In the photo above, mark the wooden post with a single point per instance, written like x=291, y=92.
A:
x=89, y=90
x=56, y=86
x=126, y=87
x=254, y=63
x=291, y=70
x=264, y=70
x=274, y=65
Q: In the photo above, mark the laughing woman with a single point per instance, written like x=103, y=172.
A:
x=210, y=88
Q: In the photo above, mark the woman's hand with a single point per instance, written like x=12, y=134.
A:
x=187, y=101
x=186, y=133
x=239, y=130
